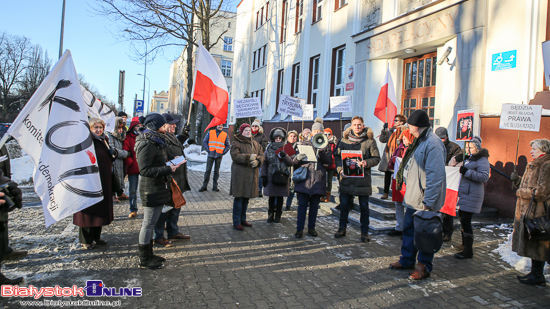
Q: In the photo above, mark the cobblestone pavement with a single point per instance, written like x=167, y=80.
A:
x=262, y=267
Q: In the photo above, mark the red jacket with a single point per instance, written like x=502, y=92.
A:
x=129, y=143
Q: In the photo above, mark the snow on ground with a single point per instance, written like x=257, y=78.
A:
x=22, y=169
x=197, y=159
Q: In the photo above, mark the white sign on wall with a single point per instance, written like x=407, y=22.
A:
x=308, y=113
x=249, y=107
x=340, y=104
x=291, y=106
x=520, y=117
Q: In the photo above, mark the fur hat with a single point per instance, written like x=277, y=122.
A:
x=243, y=126
x=476, y=140
x=318, y=124
x=154, y=121
x=279, y=133
x=419, y=118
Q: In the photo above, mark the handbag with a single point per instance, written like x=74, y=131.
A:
x=537, y=228
x=280, y=177
x=177, y=196
x=428, y=231
x=300, y=174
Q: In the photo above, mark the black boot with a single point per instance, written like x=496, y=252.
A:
x=156, y=257
x=146, y=259
x=468, y=251
x=270, y=211
x=278, y=213
x=536, y=277
x=461, y=247
x=4, y=280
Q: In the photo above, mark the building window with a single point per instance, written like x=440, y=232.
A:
x=254, y=62
x=258, y=94
x=280, y=83
x=317, y=10
x=257, y=20
x=339, y=3
x=267, y=11
x=259, y=59
x=226, y=68
x=338, y=70
x=313, y=94
x=283, y=21
x=295, y=86
x=419, y=75
x=229, y=25
x=228, y=43
x=299, y=15
x=161, y=106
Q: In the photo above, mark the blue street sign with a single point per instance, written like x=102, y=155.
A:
x=504, y=60
x=139, y=106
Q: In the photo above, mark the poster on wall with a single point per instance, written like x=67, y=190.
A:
x=465, y=125
x=291, y=106
x=340, y=104
x=308, y=113
x=520, y=117
x=249, y=107
x=351, y=163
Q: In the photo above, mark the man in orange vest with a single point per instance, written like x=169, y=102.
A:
x=216, y=142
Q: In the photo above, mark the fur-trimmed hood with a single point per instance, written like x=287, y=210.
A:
x=118, y=122
x=370, y=133
x=272, y=138
x=483, y=153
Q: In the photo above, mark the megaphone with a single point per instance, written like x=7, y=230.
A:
x=319, y=141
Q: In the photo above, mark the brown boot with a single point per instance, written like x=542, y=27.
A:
x=327, y=198
x=419, y=273
x=384, y=196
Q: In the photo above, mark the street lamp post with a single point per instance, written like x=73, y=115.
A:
x=148, y=93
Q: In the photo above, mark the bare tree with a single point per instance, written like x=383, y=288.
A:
x=38, y=67
x=14, y=52
x=164, y=23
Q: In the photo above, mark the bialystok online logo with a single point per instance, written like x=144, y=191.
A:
x=94, y=288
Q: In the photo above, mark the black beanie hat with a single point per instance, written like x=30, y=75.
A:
x=154, y=121
x=122, y=114
x=419, y=118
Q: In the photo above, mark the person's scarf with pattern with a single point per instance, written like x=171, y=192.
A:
x=408, y=154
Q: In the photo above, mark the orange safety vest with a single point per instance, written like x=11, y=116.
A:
x=216, y=143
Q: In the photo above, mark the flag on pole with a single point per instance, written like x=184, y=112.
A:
x=53, y=129
x=451, y=196
x=96, y=109
x=210, y=87
x=385, y=108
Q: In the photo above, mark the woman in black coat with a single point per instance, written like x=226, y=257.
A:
x=154, y=187
x=91, y=219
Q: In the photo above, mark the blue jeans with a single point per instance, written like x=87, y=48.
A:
x=133, y=185
x=408, y=250
x=150, y=217
x=305, y=201
x=240, y=205
x=209, y=162
x=289, y=199
x=170, y=220
x=346, y=202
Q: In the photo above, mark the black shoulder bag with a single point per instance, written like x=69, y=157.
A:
x=537, y=228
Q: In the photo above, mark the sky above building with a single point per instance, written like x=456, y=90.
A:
x=98, y=52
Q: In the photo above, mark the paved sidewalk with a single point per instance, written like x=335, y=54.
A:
x=262, y=267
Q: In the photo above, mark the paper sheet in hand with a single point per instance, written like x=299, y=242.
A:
x=175, y=161
x=308, y=150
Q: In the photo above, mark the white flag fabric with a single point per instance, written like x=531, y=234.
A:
x=96, y=109
x=53, y=129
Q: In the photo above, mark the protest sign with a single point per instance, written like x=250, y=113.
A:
x=351, y=160
x=308, y=113
x=249, y=107
x=465, y=125
x=520, y=117
x=340, y=104
x=291, y=106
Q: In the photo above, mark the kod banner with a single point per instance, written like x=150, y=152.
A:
x=520, y=117
x=249, y=107
x=53, y=129
x=96, y=109
x=308, y=113
x=340, y=104
x=291, y=106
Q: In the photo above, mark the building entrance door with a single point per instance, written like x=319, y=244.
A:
x=419, y=85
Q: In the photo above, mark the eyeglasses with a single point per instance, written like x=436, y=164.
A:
x=255, y=126
x=327, y=134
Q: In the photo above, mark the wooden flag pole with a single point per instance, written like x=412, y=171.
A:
x=517, y=150
x=194, y=83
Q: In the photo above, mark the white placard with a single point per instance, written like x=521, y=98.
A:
x=340, y=104
x=308, y=113
x=291, y=106
x=520, y=117
x=308, y=151
x=249, y=107
x=546, y=60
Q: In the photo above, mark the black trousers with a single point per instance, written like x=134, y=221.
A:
x=387, y=181
x=466, y=221
x=87, y=235
x=448, y=224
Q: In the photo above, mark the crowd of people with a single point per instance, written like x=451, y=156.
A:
x=287, y=165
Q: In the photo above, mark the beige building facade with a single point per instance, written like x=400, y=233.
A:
x=159, y=102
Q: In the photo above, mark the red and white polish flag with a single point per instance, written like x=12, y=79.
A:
x=385, y=108
x=451, y=197
x=210, y=87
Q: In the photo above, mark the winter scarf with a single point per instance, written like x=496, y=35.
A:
x=408, y=154
x=358, y=139
x=158, y=138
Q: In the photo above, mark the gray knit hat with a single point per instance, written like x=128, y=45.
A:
x=476, y=140
x=318, y=124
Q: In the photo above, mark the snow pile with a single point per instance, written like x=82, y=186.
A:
x=520, y=263
x=22, y=169
x=197, y=159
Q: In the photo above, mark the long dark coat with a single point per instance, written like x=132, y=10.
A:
x=537, y=176
x=173, y=150
x=101, y=213
x=244, y=179
x=272, y=163
x=472, y=185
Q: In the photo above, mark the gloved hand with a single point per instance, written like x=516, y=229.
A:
x=253, y=157
x=463, y=170
x=282, y=154
x=191, y=141
x=186, y=128
x=301, y=156
x=16, y=194
x=254, y=163
x=515, y=177
x=264, y=181
x=385, y=126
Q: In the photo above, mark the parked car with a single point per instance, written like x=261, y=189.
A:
x=4, y=128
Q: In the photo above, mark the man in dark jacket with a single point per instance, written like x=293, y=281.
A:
x=17, y=198
x=357, y=138
x=131, y=165
x=216, y=142
x=169, y=220
x=453, y=150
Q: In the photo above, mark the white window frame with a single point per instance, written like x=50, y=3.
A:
x=296, y=81
x=300, y=15
x=319, y=10
x=315, y=80
x=340, y=71
x=226, y=70
x=228, y=43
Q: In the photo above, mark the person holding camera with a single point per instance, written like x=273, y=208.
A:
x=11, y=198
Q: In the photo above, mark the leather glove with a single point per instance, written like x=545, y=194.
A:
x=113, y=152
x=253, y=157
x=515, y=177
x=301, y=156
x=463, y=170
x=282, y=154
x=186, y=128
x=254, y=163
x=264, y=181
x=16, y=195
x=385, y=126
